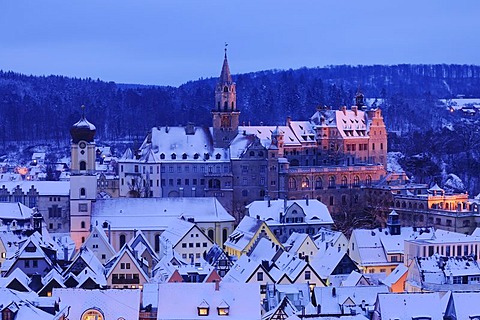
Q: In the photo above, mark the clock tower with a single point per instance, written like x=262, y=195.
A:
x=83, y=180
x=225, y=113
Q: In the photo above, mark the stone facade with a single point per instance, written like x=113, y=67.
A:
x=330, y=157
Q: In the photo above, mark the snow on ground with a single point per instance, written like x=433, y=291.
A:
x=392, y=162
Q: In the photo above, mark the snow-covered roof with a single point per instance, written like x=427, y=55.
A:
x=295, y=241
x=156, y=213
x=374, y=245
x=113, y=303
x=466, y=304
x=271, y=210
x=332, y=298
x=15, y=211
x=178, y=144
x=44, y=188
x=176, y=231
x=410, y=305
x=242, y=300
x=395, y=275
x=26, y=304
x=436, y=269
x=324, y=264
x=244, y=233
x=264, y=133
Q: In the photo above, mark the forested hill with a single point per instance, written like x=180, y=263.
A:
x=43, y=108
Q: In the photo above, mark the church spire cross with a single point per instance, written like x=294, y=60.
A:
x=225, y=76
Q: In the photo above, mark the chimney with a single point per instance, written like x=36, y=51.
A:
x=306, y=199
x=344, y=109
x=217, y=285
x=289, y=119
x=268, y=201
x=355, y=110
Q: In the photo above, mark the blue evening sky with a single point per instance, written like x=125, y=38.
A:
x=171, y=42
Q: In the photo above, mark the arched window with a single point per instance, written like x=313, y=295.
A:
x=331, y=182
x=292, y=184
x=224, y=235
x=252, y=153
x=368, y=181
x=82, y=224
x=92, y=314
x=344, y=181
x=83, y=165
x=356, y=181
x=225, y=106
x=305, y=183
x=123, y=240
x=210, y=234
x=225, y=89
x=157, y=243
x=82, y=192
x=318, y=183
x=233, y=105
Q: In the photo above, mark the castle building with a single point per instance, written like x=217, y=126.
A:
x=83, y=179
x=329, y=157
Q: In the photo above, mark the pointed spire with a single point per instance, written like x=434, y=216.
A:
x=225, y=76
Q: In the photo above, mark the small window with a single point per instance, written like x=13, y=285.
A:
x=259, y=276
x=82, y=192
x=83, y=165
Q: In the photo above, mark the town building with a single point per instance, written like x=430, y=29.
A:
x=50, y=198
x=329, y=157
x=421, y=206
x=285, y=217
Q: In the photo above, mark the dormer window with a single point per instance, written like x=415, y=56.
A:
x=162, y=156
x=174, y=156
x=207, y=156
x=218, y=156
x=203, y=309
x=196, y=156
x=184, y=156
x=223, y=309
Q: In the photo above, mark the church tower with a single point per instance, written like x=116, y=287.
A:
x=225, y=114
x=83, y=181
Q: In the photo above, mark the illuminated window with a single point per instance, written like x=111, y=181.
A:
x=92, y=314
x=305, y=183
x=203, y=308
x=223, y=309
